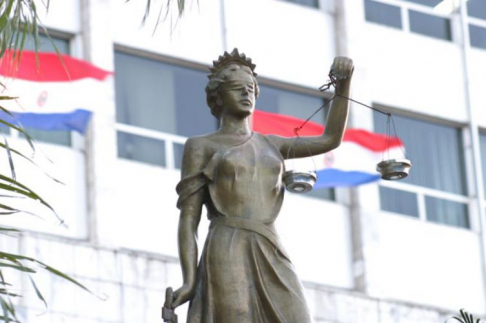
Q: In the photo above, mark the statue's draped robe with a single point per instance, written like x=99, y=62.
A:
x=244, y=275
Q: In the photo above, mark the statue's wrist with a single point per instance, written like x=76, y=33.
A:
x=343, y=86
x=190, y=282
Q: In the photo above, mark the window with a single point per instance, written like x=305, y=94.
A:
x=429, y=17
x=158, y=100
x=421, y=19
x=157, y=96
x=47, y=45
x=430, y=25
x=482, y=143
x=398, y=201
x=383, y=14
x=477, y=36
x=476, y=9
x=297, y=105
x=308, y=3
x=436, y=189
x=290, y=103
x=141, y=148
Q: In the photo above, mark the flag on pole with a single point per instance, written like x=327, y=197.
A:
x=53, y=94
x=352, y=163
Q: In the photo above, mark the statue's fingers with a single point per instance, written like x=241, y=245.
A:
x=350, y=65
x=348, y=68
x=177, y=301
x=169, y=297
x=342, y=71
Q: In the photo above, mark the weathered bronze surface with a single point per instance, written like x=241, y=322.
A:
x=394, y=169
x=244, y=274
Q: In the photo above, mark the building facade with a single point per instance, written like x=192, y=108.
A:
x=408, y=251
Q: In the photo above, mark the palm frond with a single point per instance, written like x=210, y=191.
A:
x=465, y=317
x=161, y=17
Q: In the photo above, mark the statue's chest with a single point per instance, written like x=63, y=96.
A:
x=251, y=161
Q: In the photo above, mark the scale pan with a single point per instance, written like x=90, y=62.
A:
x=394, y=169
x=298, y=181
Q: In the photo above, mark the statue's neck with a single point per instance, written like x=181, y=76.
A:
x=236, y=126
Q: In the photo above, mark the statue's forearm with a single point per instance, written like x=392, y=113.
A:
x=338, y=113
x=188, y=248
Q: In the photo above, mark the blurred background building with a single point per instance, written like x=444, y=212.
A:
x=408, y=251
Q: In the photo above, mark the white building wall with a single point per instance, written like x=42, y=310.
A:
x=197, y=38
x=477, y=78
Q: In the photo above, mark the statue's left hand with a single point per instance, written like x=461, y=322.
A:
x=342, y=68
x=183, y=294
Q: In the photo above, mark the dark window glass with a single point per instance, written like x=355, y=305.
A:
x=162, y=97
x=482, y=142
x=54, y=137
x=477, y=36
x=47, y=45
x=476, y=9
x=178, y=152
x=398, y=201
x=308, y=3
x=436, y=152
x=429, y=25
x=297, y=105
x=290, y=103
x=383, y=14
x=141, y=149
x=429, y=3
x=324, y=194
x=4, y=129
x=447, y=212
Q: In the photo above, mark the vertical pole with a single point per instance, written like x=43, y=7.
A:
x=88, y=156
x=224, y=33
x=356, y=227
x=474, y=134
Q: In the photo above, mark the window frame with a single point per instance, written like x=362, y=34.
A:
x=422, y=192
x=482, y=133
x=406, y=6
x=477, y=22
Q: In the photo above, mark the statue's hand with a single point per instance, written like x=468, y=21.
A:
x=182, y=295
x=342, y=68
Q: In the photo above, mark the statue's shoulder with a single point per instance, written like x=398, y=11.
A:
x=198, y=150
x=204, y=143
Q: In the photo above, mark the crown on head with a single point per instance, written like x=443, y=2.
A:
x=228, y=58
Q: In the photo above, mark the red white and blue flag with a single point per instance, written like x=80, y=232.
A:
x=352, y=163
x=53, y=94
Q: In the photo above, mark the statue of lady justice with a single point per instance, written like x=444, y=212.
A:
x=244, y=274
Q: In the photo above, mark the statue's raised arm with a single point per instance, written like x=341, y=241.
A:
x=342, y=69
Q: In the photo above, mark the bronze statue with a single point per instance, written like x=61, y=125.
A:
x=244, y=274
